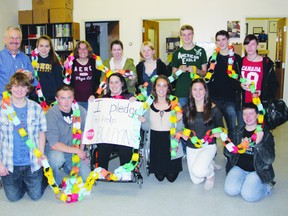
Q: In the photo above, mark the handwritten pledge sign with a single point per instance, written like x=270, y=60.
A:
x=109, y=121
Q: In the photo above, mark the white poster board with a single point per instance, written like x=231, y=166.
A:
x=110, y=121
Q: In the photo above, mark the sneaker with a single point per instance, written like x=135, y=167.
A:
x=209, y=183
x=127, y=176
x=215, y=166
x=271, y=184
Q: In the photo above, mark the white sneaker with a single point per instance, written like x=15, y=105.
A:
x=209, y=183
x=126, y=176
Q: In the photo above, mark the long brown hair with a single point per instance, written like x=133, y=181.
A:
x=190, y=110
x=169, y=91
x=52, y=55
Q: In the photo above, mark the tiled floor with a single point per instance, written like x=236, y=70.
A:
x=155, y=198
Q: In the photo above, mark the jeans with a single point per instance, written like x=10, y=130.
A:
x=19, y=182
x=59, y=159
x=229, y=112
x=199, y=162
x=248, y=184
x=182, y=102
x=83, y=104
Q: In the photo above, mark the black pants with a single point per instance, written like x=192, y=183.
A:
x=105, y=150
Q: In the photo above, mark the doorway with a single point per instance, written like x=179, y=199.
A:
x=157, y=31
x=100, y=35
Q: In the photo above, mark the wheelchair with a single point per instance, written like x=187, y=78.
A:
x=136, y=174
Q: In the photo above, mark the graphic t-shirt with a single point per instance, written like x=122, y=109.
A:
x=50, y=77
x=253, y=72
x=21, y=152
x=83, y=83
x=194, y=57
x=246, y=160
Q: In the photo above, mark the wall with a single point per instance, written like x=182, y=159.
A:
x=168, y=28
x=206, y=18
x=264, y=23
x=8, y=16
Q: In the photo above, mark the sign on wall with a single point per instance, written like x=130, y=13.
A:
x=110, y=121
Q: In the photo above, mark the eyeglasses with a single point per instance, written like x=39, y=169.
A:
x=83, y=49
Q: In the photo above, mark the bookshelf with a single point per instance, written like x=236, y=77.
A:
x=64, y=36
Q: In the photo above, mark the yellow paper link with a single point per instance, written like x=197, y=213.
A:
x=135, y=157
x=75, y=158
x=194, y=68
x=63, y=197
x=22, y=132
x=172, y=131
x=230, y=67
x=260, y=119
x=256, y=100
x=109, y=73
x=177, y=109
x=186, y=132
x=37, y=153
x=34, y=64
x=208, y=75
x=173, y=119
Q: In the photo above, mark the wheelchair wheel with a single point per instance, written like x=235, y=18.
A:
x=94, y=153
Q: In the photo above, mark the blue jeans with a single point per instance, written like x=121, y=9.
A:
x=19, y=182
x=229, y=112
x=59, y=159
x=83, y=104
x=182, y=102
x=248, y=184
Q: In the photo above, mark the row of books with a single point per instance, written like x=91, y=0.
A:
x=59, y=44
x=62, y=44
x=62, y=30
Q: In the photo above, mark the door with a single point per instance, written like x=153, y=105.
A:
x=151, y=33
x=280, y=55
x=100, y=35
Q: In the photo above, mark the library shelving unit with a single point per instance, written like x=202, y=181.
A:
x=64, y=36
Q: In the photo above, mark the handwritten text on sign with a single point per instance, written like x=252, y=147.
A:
x=109, y=121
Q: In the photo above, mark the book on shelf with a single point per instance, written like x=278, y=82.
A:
x=61, y=44
x=62, y=30
x=40, y=31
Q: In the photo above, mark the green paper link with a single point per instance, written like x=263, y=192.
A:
x=243, y=80
x=252, y=88
x=76, y=112
x=174, y=143
x=173, y=153
x=194, y=139
x=30, y=144
x=217, y=130
x=214, y=56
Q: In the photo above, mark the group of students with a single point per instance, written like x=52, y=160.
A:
x=206, y=93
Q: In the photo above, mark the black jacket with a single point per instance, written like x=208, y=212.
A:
x=264, y=155
x=161, y=69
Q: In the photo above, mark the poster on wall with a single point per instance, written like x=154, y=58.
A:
x=233, y=28
x=110, y=121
